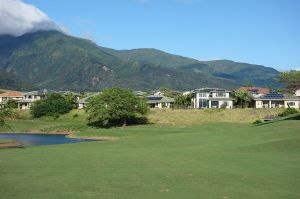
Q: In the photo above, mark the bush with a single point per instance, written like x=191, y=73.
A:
x=53, y=105
x=258, y=122
x=116, y=107
x=12, y=103
x=288, y=111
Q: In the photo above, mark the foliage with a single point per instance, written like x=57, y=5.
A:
x=183, y=101
x=53, y=105
x=257, y=122
x=115, y=106
x=291, y=80
x=71, y=98
x=288, y=111
x=168, y=92
x=12, y=103
x=241, y=98
x=5, y=112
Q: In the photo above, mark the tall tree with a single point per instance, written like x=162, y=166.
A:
x=5, y=112
x=115, y=106
x=291, y=80
x=241, y=98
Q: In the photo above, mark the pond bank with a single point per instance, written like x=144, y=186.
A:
x=11, y=144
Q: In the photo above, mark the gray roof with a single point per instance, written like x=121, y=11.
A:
x=210, y=90
x=151, y=99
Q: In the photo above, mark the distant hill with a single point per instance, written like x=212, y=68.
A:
x=54, y=60
x=238, y=72
x=9, y=81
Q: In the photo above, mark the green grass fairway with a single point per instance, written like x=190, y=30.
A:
x=211, y=161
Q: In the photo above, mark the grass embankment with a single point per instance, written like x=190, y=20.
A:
x=223, y=160
x=76, y=120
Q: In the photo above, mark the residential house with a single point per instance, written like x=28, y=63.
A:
x=255, y=91
x=139, y=93
x=82, y=103
x=277, y=100
x=66, y=93
x=297, y=93
x=30, y=97
x=10, y=95
x=159, y=101
x=212, y=98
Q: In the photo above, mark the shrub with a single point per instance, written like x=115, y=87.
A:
x=53, y=105
x=116, y=106
x=288, y=111
x=75, y=115
x=258, y=122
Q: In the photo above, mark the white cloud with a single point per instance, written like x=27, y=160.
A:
x=18, y=18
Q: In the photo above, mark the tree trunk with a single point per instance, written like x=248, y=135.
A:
x=124, y=123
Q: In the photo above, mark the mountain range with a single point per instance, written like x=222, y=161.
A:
x=54, y=60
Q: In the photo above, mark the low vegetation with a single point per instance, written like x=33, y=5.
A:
x=53, y=105
x=76, y=120
x=287, y=112
x=115, y=107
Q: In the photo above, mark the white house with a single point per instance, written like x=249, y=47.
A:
x=212, y=98
x=30, y=97
x=297, y=93
x=82, y=103
x=277, y=100
x=159, y=101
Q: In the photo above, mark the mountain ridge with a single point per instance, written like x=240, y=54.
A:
x=51, y=59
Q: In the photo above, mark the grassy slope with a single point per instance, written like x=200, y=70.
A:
x=208, y=161
x=165, y=117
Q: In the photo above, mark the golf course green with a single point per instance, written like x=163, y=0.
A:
x=213, y=160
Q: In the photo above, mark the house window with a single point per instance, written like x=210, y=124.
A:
x=220, y=94
x=202, y=94
x=203, y=103
x=291, y=103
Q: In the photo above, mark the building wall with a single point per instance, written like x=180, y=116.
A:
x=297, y=93
x=258, y=104
x=292, y=104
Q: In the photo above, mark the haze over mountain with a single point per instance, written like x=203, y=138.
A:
x=53, y=60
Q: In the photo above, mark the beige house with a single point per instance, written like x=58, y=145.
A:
x=160, y=101
x=10, y=95
x=277, y=100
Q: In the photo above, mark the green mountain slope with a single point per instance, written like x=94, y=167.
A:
x=9, y=81
x=54, y=60
x=235, y=71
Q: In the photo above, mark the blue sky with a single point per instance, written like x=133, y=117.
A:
x=265, y=32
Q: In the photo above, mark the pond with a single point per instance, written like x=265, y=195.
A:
x=40, y=139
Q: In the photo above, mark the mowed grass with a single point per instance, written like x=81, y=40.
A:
x=221, y=160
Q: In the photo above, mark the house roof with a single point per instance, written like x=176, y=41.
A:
x=39, y=92
x=159, y=99
x=256, y=90
x=209, y=90
x=277, y=96
x=12, y=94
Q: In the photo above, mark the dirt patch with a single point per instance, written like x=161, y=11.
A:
x=11, y=144
x=98, y=138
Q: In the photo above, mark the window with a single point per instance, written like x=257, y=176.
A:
x=202, y=94
x=291, y=103
x=220, y=94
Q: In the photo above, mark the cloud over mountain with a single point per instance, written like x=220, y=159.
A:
x=18, y=18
